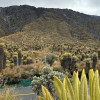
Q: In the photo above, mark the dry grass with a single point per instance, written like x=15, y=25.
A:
x=11, y=72
x=14, y=72
x=8, y=95
x=40, y=32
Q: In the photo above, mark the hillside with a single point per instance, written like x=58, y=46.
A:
x=28, y=26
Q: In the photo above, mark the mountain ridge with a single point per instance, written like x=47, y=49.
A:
x=48, y=22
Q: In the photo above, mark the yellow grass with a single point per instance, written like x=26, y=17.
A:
x=8, y=95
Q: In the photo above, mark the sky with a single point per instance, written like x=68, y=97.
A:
x=91, y=7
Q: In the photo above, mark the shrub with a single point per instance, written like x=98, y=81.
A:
x=99, y=53
x=29, y=60
x=19, y=50
x=87, y=60
x=2, y=45
x=73, y=66
x=51, y=58
x=66, y=60
x=7, y=61
x=83, y=56
x=12, y=65
x=75, y=58
x=5, y=52
x=15, y=53
x=15, y=56
x=77, y=91
x=95, y=57
x=46, y=79
x=57, y=68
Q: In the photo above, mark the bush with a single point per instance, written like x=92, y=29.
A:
x=29, y=60
x=78, y=91
x=19, y=50
x=74, y=58
x=2, y=45
x=46, y=79
x=57, y=68
x=66, y=60
x=51, y=58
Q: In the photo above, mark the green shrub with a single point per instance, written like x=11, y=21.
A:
x=57, y=68
x=88, y=60
x=66, y=60
x=99, y=53
x=15, y=53
x=77, y=90
x=7, y=61
x=29, y=60
x=74, y=58
x=95, y=58
x=46, y=79
x=12, y=65
x=15, y=56
x=19, y=50
x=5, y=52
x=51, y=58
x=2, y=45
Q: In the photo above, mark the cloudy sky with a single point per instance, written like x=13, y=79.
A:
x=86, y=6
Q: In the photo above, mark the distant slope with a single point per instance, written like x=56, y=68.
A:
x=30, y=25
x=3, y=28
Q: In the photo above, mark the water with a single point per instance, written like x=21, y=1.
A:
x=22, y=83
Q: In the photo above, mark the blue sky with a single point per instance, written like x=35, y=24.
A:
x=86, y=6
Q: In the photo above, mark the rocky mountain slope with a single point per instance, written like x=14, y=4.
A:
x=30, y=25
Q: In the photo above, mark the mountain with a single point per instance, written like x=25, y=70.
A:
x=28, y=25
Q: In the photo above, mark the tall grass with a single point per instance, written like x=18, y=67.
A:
x=8, y=95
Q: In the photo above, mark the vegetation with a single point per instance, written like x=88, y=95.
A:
x=8, y=95
x=46, y=79
x=51, y=58
x=76, y=91
x=20, y=64
x=68, y=46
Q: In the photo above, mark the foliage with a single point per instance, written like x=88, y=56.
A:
x=57, y=68
x=51, y=58
x=46, y=79
x=88, y=60
x=66, y=60
x=12, y=74
x=74, y=58
x=77, y=91
x=95, y=54
x=19, y=50
x=66, y=55
x=8, y=95
x=2, y=45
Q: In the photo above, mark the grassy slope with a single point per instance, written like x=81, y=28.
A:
x=48, y=29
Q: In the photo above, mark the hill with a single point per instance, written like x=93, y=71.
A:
x=28, y=26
